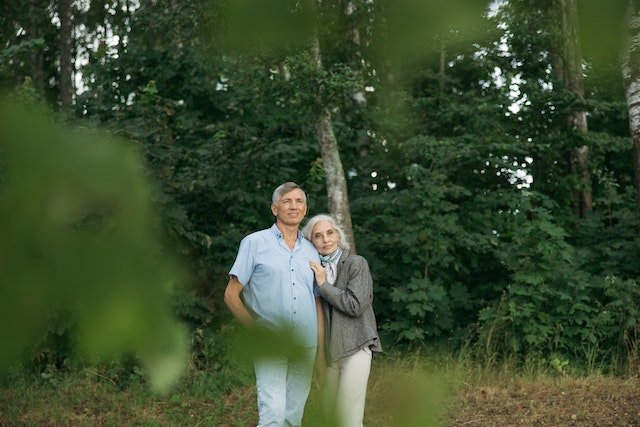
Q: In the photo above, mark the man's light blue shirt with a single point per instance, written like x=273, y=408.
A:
x=278, y=284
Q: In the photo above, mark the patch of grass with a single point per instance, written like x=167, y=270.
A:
x=418, y=389
x=85, y=398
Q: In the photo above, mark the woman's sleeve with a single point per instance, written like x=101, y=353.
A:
x=358, y=293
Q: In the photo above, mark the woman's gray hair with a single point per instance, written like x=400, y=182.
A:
x=284, y=189
x=308, y=228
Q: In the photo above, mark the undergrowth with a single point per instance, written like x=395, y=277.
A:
x=422, y=387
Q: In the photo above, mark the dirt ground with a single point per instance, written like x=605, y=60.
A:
x=593, y=402
x=565, y=402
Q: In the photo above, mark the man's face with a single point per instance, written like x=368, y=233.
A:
x=291, y=208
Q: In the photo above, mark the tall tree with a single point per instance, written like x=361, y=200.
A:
x=35, y=30
x=65, y=14
x=566, y=62
x=631, y=78
x=337, y=193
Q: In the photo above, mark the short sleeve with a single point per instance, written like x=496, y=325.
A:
x=243, y=266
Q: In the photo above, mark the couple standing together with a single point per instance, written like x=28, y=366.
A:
x=306, y=283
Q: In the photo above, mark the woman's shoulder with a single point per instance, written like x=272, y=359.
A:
x=351, y=258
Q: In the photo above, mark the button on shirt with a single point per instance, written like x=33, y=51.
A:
x=278, y=283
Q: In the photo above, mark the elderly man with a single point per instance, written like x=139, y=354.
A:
x=272, y=273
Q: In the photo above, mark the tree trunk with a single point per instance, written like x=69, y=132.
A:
x=566, y=59
x=443, y=64
x=359, y=95
x=631, y=78
x=36, y=55
x=66, y=54
x=338, y=199
x=355, y=50
x=337, y=195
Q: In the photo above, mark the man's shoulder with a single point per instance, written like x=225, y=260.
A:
x=258, y=235
x=308, y=247
x=307, y=244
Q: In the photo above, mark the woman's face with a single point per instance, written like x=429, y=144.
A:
x=325, y=238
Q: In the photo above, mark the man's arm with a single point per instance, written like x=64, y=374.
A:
x=234, y=303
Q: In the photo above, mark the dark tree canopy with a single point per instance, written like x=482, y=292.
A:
x=453, y=131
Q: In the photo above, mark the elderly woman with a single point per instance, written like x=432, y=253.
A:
x=351, y=335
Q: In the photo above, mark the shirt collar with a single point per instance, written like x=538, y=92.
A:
x=276, y=232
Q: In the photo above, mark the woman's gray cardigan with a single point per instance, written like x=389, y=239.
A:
x=350, y=323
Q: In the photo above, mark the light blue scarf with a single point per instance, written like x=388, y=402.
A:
x=330, y=263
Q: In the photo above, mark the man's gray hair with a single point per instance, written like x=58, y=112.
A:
x=284, y=189
x=308, y=228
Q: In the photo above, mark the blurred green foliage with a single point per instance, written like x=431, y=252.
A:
x=81, y=256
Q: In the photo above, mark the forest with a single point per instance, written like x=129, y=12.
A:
x=483, y=156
